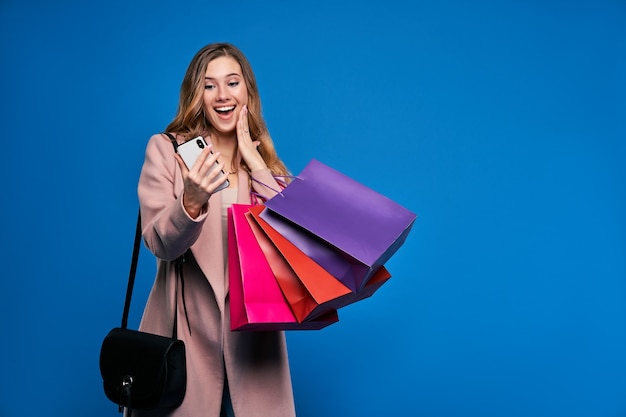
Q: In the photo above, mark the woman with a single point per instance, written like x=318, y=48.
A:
x=184, y=216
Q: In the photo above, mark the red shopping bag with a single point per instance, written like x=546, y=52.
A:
x=310, y=289
x=256, y=300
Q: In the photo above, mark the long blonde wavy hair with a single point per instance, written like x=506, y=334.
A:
x=190, y=121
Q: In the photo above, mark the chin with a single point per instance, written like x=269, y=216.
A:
x=222, y=130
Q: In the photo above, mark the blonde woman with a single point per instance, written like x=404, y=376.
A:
x=184, y=217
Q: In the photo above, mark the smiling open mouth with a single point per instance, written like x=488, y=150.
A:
x=224, y=110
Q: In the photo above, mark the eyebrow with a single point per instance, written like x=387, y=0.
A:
x=226, y=76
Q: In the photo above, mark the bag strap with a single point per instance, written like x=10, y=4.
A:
x=257, y=197
x=131, y=280
x=133, y=270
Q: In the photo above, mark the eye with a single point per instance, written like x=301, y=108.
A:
x=233, y=83
x=209, y=87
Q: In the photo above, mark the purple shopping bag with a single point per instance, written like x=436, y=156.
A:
x=346, y=227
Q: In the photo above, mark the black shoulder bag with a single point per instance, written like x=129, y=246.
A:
x=140, y=370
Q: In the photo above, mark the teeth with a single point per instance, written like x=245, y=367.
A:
x=224, y=109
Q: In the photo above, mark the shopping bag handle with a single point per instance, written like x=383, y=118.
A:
x=281, y=183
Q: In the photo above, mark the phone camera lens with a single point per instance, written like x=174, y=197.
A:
x=200, y=144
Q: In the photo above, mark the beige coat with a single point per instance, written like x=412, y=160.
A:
x=256, y=362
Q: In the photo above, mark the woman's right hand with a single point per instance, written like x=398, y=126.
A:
x=199, y=181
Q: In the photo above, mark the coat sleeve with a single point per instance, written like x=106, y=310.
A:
x=168, y=230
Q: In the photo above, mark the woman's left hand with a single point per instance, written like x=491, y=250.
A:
x=247, y=146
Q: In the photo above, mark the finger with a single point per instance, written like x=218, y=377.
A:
x=240, y=128
x=205, y=161
x=214, y=179
x=246, y=128
x=242, y=123
x=218, y=180
x=215, y=169
x=210, y=167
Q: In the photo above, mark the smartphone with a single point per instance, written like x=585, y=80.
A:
x=190, y=151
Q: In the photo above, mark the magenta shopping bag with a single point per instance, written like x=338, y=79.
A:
x=256, y=300
x=360, y=228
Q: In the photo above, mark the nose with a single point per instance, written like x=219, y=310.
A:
x=222, y=93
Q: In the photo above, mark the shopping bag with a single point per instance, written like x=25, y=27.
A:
x=361, y=228
x=380, y=277
x=256, y=300
x=309, y=289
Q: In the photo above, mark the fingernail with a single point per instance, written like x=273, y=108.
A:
x=245, y=108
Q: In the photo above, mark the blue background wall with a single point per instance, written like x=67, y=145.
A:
x=501, y=124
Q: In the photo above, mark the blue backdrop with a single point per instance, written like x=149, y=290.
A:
x=500, y=123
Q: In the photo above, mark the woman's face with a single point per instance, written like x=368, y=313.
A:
x=225, y=93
